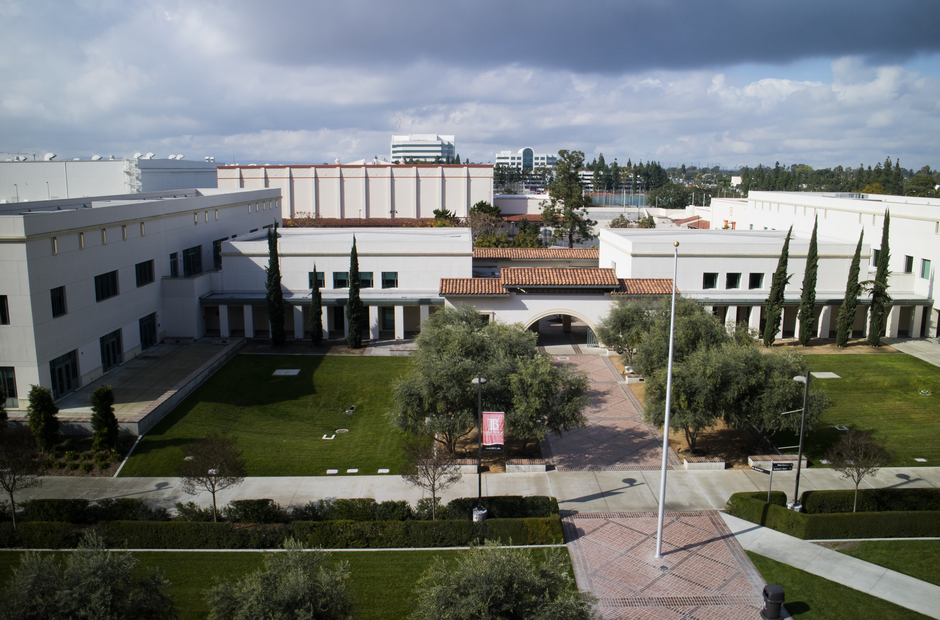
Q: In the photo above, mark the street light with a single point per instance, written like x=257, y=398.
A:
x=479, y=381
x=795, y=504
x=672, y=339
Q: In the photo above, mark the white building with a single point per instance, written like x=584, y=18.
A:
x=525, y=159
x=87, y=284
x=29, y=181
x=914, y=238
x=423, y=147
x=372, y=190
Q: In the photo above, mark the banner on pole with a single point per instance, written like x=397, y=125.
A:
x=493, y=423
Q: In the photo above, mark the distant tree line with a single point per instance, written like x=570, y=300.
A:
x=887, y=178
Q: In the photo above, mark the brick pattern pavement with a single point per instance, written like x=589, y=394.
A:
x=703, y=574
x=616, y=438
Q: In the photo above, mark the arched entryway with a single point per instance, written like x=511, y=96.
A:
x=563, y=331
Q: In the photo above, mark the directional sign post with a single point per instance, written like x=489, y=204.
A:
x=782, y=466
x=773, y=467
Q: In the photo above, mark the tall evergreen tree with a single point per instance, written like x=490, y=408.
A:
x=566, y=210
x=808, y=300
x=316, y=311
x=41, y=413
x=275, y=296
x=879, y=288
x=103, y=422
x=852, y=290
x=355, y=311
x=774, y=303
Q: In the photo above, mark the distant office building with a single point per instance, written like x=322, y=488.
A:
x=525, y=159
x=423, y=147
x=23, y=181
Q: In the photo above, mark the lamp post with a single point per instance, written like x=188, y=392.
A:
x=479, y=382
x=672, y=340
x=795, y=504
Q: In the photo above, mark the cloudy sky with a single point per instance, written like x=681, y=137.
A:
x=729, y=82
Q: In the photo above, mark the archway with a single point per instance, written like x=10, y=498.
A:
x=562, y=330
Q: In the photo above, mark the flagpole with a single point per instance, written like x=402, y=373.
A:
x=672, y=340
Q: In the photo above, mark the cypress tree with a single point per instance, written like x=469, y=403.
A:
x=103, y=422
x=275, y=296
x=778, y=287
x=316, y=311
x=852, y=290
x=879, y=289
x=42, y=417
x=355, y=311
x=808, y=300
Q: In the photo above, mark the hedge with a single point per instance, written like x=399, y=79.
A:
x=871, y=500
x=84, y=512
x=505, y=507
x=898, y=524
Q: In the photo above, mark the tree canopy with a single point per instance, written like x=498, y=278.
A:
x=356, y=312
x=566, y=210
x=275, y=295
x=853, y=289
x=213, y=463
x=778, y=287
x=807, y=312
x=878, y=288
x=41, y=413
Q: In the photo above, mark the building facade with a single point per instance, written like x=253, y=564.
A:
x=423, y=147
x=525, y=159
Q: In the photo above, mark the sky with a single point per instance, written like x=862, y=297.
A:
x=723, y=82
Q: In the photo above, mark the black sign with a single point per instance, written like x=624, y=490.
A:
x=783, y=466
x=760, y=469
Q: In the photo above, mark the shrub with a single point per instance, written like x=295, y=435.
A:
x=359, y=509
x=58, y=510
x=103, y=464
x=58, y=464
x=46, y=535
x=871, y=500
x=8, y=537
x=125, y=509
x=170, y=535
x=191, y=512
x=254, y=511
x=304, y=512
x=505, y=507
x=70, y=455
x=397, y=510
x=87, y=455
x=72, y=466
x=423, y=511
x=86, y=467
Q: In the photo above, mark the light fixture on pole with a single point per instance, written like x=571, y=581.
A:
x=672, y=340
x=479, y=380
x=795, y=503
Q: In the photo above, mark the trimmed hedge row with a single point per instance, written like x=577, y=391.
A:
x=871, y=500
x=327, y=534
x=84, y=512
x=897, y=524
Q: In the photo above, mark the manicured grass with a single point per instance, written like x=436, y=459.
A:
x=808, y=597
x=280, y=421
x=880, y=393
x=382, y=582
x=918, y=558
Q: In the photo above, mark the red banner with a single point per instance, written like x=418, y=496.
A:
x=493, y=428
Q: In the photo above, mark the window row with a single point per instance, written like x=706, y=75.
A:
x=341, y=279
x=733, y=281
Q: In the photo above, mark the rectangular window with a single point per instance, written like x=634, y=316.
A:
x=925, y=269
x=58, y=302
x=320, y=279
x=174, y=265
x=710, y=280
x=908, y=264
x=217, y=253
x=81, y=241
x=755, y=280
x=104, y=236
x=365, y=279
x=874, y=257
x=340, y=279
x=144, y=273
x=55, y=246
x=216, y=215
x=4, y=311
x=733, y=280
x=192, y=261
x=124, y=231
x=207, y=217
x=106, y=285
x=389, y=279
x=195, y=218
x=142, y=229
x=8, y=381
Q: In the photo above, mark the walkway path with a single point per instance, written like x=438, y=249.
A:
x=927, y=349
x=883, y=583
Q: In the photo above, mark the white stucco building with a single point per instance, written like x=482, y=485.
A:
x=423, y=147
x=525, y=159
x=86, y=284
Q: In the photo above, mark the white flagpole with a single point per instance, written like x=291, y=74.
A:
x=672, y=340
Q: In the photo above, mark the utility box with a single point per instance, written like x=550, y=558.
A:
x=773, y=601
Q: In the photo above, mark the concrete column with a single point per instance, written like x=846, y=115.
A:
x=753, y=321
x=249, y=323
x=932, y=324
x=325, y=320
x=223, y=322
x=425, y=312
x=565, y=323
x=345, y=324
x=825, y=321
x=374, y=322
x=731, y=315
x=916, y=320
x=399, y=322
x=796, y=325
x=298, y=322
x=893, y=322
x=710, y=309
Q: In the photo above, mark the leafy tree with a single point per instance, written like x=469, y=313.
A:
x=484, y=225
x=297, y=584
x=275, y=296
x=873, y=188
x=546, y=398
x=19, y=463
x=501, y=583
x=429, y=468
x=858, y=455
x=485, y=207
x=853, y=289
x=670, y=196
x=566, y=211
x=103, y=422
x=457, y=158
x=41, y=412
x=695, y=328
x=878, y=289
x=438, y=399
x=355, y=310
x=807, y=313
x=921, y=185
x=444, y=218
x=529, y=235
x=316, y=311
x=500, y=240
x=214, y=463
x=774, y=303
x=625, y=326
x=92, y=583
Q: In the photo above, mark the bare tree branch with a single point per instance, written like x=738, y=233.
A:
x=213, y=464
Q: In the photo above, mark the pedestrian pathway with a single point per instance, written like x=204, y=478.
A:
x=883, y=583
x=927, y=349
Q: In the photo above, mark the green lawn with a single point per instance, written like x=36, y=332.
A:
x=880, y=393
x=809, y=597
x=280, y=421
x=918, y=558
x=382, y=582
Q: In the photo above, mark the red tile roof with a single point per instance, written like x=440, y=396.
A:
x=538, y=253
x=558, y=277
x=644, y=286
x=486, y=287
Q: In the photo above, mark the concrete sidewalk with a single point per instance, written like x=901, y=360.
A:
x=883, y=583
x=927, y=349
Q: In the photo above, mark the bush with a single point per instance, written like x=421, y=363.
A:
x=399, y=510
x=505, y=507
x=423, y=512
x=360, y=509
x=44, y=535
x=125, y=509
x=86, y=467
x=537, y=531
x=254, y=511
x=103, y=464
x=58, y=464
x=70, y=455
x=58, y=510
x=8, y=537
x=87, y=455
x=73, y=466
x=171, y=535
x=871, y=500
x=191, y=512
